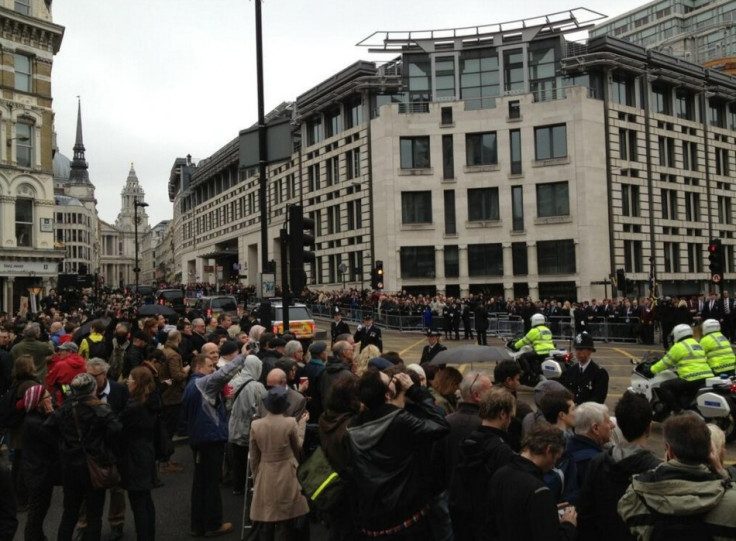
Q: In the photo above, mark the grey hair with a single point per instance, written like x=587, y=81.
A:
x=196, y=322
x=99, y=364
x=292, y=346
x=173, y=336
x=339, y=347
x=32, y=330
x=471, y=377
x=587, y=414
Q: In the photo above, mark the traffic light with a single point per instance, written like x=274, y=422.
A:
x=715, y=256
x=300, y=242
x=377, y=276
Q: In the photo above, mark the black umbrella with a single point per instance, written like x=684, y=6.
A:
x=83, y=331
x=472, y=354
x=148, y=310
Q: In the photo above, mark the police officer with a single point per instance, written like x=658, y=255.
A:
x=447, y=319
x=540, y=338
x=688, y=358
x=717, y=348
x=467, y=316
x=456, y=317
x=367, y=333
x=338, y=326
x=433, y=346
x=587, y=381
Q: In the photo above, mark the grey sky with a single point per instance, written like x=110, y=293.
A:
x=160, y=79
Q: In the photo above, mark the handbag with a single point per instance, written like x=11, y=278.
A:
x=320, y=482
x=102, y=476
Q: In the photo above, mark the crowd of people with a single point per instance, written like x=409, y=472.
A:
x=422, y=451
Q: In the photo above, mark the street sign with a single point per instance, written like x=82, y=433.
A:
x=716, y=278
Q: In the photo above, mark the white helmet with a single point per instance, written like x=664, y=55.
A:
x=537, y=319
x=681, y=331
x=711, y=325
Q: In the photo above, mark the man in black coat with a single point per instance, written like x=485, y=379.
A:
x=587, y=381
x=368, y=333
x=338, y=326
x=433, y=347
x=524, y=507
x=481, y=322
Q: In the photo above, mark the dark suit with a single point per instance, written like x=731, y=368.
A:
x=727, y=318
x=369, y=335
x=712, y=309
x=429, y=352
x=337, y=328
x=588, y=386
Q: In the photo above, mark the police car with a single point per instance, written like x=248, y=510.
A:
x=301, y=321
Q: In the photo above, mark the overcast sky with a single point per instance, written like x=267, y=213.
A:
x=160, y=79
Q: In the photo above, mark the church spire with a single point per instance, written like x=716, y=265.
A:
x=78, y=172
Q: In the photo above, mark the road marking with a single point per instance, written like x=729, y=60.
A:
x=415, y=344
x=623, y=352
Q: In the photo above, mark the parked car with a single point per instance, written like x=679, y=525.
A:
x=214, y=306
x=301, y=321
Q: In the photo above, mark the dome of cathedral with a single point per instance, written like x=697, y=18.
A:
x=62, y=167
x=66, y=201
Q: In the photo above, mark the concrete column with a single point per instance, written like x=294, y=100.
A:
x=508, y=270
x=462, y=255
x=439, y=269
x=533, y=266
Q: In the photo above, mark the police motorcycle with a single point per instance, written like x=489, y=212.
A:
x=715, y=401
x=551, y=367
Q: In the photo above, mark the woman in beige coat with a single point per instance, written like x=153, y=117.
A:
x=275, y=444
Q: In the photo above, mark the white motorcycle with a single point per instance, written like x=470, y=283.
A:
x=551, y=367
x=714, y=401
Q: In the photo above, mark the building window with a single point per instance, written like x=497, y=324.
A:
x=671, y=257
x=543, y=77
x=452, y=261
x=417, y=262
x=333, y=123
x=333, y=219
x=483, y=204
x=556, y=257
x=519, y=258
x=450, y=220
x=514, y=109
x=312, y=179
x=24, y=222
x=444, y=77
x=315, y=133
x=669, y=204
x=692, y=207
x=418, y=77
x=684, y=105
x=448, y=158
x=517, y=208
x=632, y=256
x=661, y=100
x=666, y=151
x=724, y=210
x=717, y=113
x=515, y=142
x=689, y=155
x=479, y=78
x=414, y=152
x=630, y=200
x=23, y=6
x=446, y=115
x=722, y=164
x=355, y=219
x=485, y=260
x=513, y=70
x=352, y=164
x=622, y=89
x=553, y=199
x=550, y=142
x=353, y=113
x=480, y=149
x=416, y=207
x=23, y=73
x=694, y=257
x=23, y=144
x=627, y=144
x=332, y=170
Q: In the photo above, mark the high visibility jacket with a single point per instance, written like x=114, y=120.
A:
x=688, y=358
x=718, y=352
x=540, y=338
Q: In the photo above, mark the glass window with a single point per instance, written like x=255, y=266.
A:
x=553, y=199
x=479, y=78
x=483, y=204
x=450, y=220
x=485, y=259
x=416, y=207
x=23, y=144
x=23, y=74
x=414, y=152
x=418, y=78
x=622, y=88
x=444, y=74
x=684, y=105
x=520, y=258
x=717, y=113
x=556, y=256
x=661, y=99
x=353, y=113
x=452, y=262
x=446, y=113
x=24, y=222
x=630, y=200
x=333, y=123
x=315, y=133
x=23, y=6
x=550, y=142
x=517, y=207
x=515, y=141
x=417, y=262
x=448, y=158
x=480, y=148
x=513, y=70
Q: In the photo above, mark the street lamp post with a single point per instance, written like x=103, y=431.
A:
x=136, y=269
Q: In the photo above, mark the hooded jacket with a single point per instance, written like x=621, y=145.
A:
x=385, y=443
x=61, y=371
x=609, y=475
x=680, y=489
x=203, y=408
x=250, y=393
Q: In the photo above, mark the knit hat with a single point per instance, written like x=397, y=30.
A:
x=69, y=346
x=379, y=363
x=544, y=387
x=317, y=348
x=418, y=370
x=83, y=384
x=32, y=397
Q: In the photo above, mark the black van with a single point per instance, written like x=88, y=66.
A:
x=173, y=298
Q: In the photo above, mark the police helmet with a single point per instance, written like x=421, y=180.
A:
x=537, y=319
x=710, y=326
x=681, y=331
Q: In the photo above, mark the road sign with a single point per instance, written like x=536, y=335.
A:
x=716, y=278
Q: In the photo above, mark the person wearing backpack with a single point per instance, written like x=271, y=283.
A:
x=95, y=345
x=682, y=499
